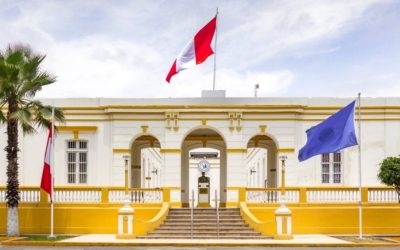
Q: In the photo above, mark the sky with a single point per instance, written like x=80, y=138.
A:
x=293, y=48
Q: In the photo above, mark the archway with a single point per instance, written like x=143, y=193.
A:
x=145, y=162
x=262, y=161
x=203, y=138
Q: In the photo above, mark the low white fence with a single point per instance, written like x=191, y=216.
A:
x=136, y=196
x=383, y=196
x=79, y=196
x=335, y=196
x=271, y=196
x=27, y=196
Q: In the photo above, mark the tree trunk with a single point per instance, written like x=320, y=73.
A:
x=397, y=188
x=11, y=149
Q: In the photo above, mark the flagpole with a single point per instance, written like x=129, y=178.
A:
x=215, y=49
x=359, y=168
x=52, y=174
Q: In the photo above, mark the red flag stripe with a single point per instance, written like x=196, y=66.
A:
x=46, y=181
x=203, y=39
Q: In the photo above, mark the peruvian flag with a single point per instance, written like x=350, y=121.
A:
x=46, y=175
x=196, y=51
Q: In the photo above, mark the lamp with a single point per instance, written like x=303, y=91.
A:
x=126, y=159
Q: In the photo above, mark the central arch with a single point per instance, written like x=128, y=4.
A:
x=203, y=137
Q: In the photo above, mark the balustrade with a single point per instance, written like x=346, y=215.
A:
x=312, y=195
x=270, y=195
x=382, y=195
x=322, y=195
x=79, y=196
x=136, y=196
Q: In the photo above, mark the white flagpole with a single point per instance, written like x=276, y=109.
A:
x=359, y=168
x=52, y=174
x=215, y=49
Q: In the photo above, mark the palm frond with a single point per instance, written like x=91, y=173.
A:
x=3, y=118
x=30, y=88
x=42, y=114
x=22, y=115
x=27, y=128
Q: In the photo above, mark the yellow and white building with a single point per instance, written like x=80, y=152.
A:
x=246, y=137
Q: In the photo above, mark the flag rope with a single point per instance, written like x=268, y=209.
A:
x=359, y=169
x=52, y=174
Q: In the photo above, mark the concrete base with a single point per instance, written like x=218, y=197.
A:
x=125, y=236
x=283, y=237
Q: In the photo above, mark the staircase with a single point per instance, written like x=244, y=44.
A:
x=178, y=225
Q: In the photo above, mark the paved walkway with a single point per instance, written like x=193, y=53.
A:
x=298, y=239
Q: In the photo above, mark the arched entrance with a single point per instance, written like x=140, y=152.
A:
x=145, y=162
x=204, y=138
x=262, y=161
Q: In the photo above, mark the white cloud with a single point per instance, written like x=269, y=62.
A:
x=125, y=49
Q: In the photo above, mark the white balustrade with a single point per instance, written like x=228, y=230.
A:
x=271, y=196
x=84, y=196
x=339, y=196
x=383, y=196
x=30, y=195
x=26, y=196
x=2, y=195
x=136, y=196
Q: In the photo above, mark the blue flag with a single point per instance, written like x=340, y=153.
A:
x=331, y=135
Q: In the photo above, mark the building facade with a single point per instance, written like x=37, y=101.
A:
x=248, y=135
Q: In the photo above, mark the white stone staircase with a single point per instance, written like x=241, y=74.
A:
x=178, y=225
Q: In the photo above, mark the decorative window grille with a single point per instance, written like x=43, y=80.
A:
x=331, y=171
x=77, y=162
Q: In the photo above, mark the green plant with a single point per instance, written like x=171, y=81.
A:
x=20, y=79
x=389, y=173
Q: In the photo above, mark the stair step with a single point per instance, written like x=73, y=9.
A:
x=175, y=224
x=204, y=227
x=247, y=237
x=209, y=232
x=178, y=225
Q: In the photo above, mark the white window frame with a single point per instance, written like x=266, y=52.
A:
x=79, y=177
x=331, y=166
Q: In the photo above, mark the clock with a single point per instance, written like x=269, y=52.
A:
x=204, y=166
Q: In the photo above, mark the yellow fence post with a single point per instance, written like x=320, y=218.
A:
x=166, y=194
x=303, y=197
x=44, y=198
x=364, y=195
x=104, y=196
x=242, y=194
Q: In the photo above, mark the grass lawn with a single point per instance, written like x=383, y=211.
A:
x=45, y=238
x=365, y=239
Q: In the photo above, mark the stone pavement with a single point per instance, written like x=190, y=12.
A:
x=298, y=239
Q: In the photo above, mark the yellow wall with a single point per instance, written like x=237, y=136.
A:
x=73, y=219
x=334, y=219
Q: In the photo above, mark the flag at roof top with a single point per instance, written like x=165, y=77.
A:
x=331, y=135
x=196, y=51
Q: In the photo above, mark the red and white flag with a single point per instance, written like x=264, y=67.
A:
x=46, y=175
x=196, y=51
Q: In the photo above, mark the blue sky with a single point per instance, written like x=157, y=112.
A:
x=291, y=48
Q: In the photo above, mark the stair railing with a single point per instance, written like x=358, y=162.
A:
x=216, y=207
x=191, y=215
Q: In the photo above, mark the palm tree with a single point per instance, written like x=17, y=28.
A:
x=20, y=79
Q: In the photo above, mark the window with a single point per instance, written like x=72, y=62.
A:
x=331, y=171
x=77, y=152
